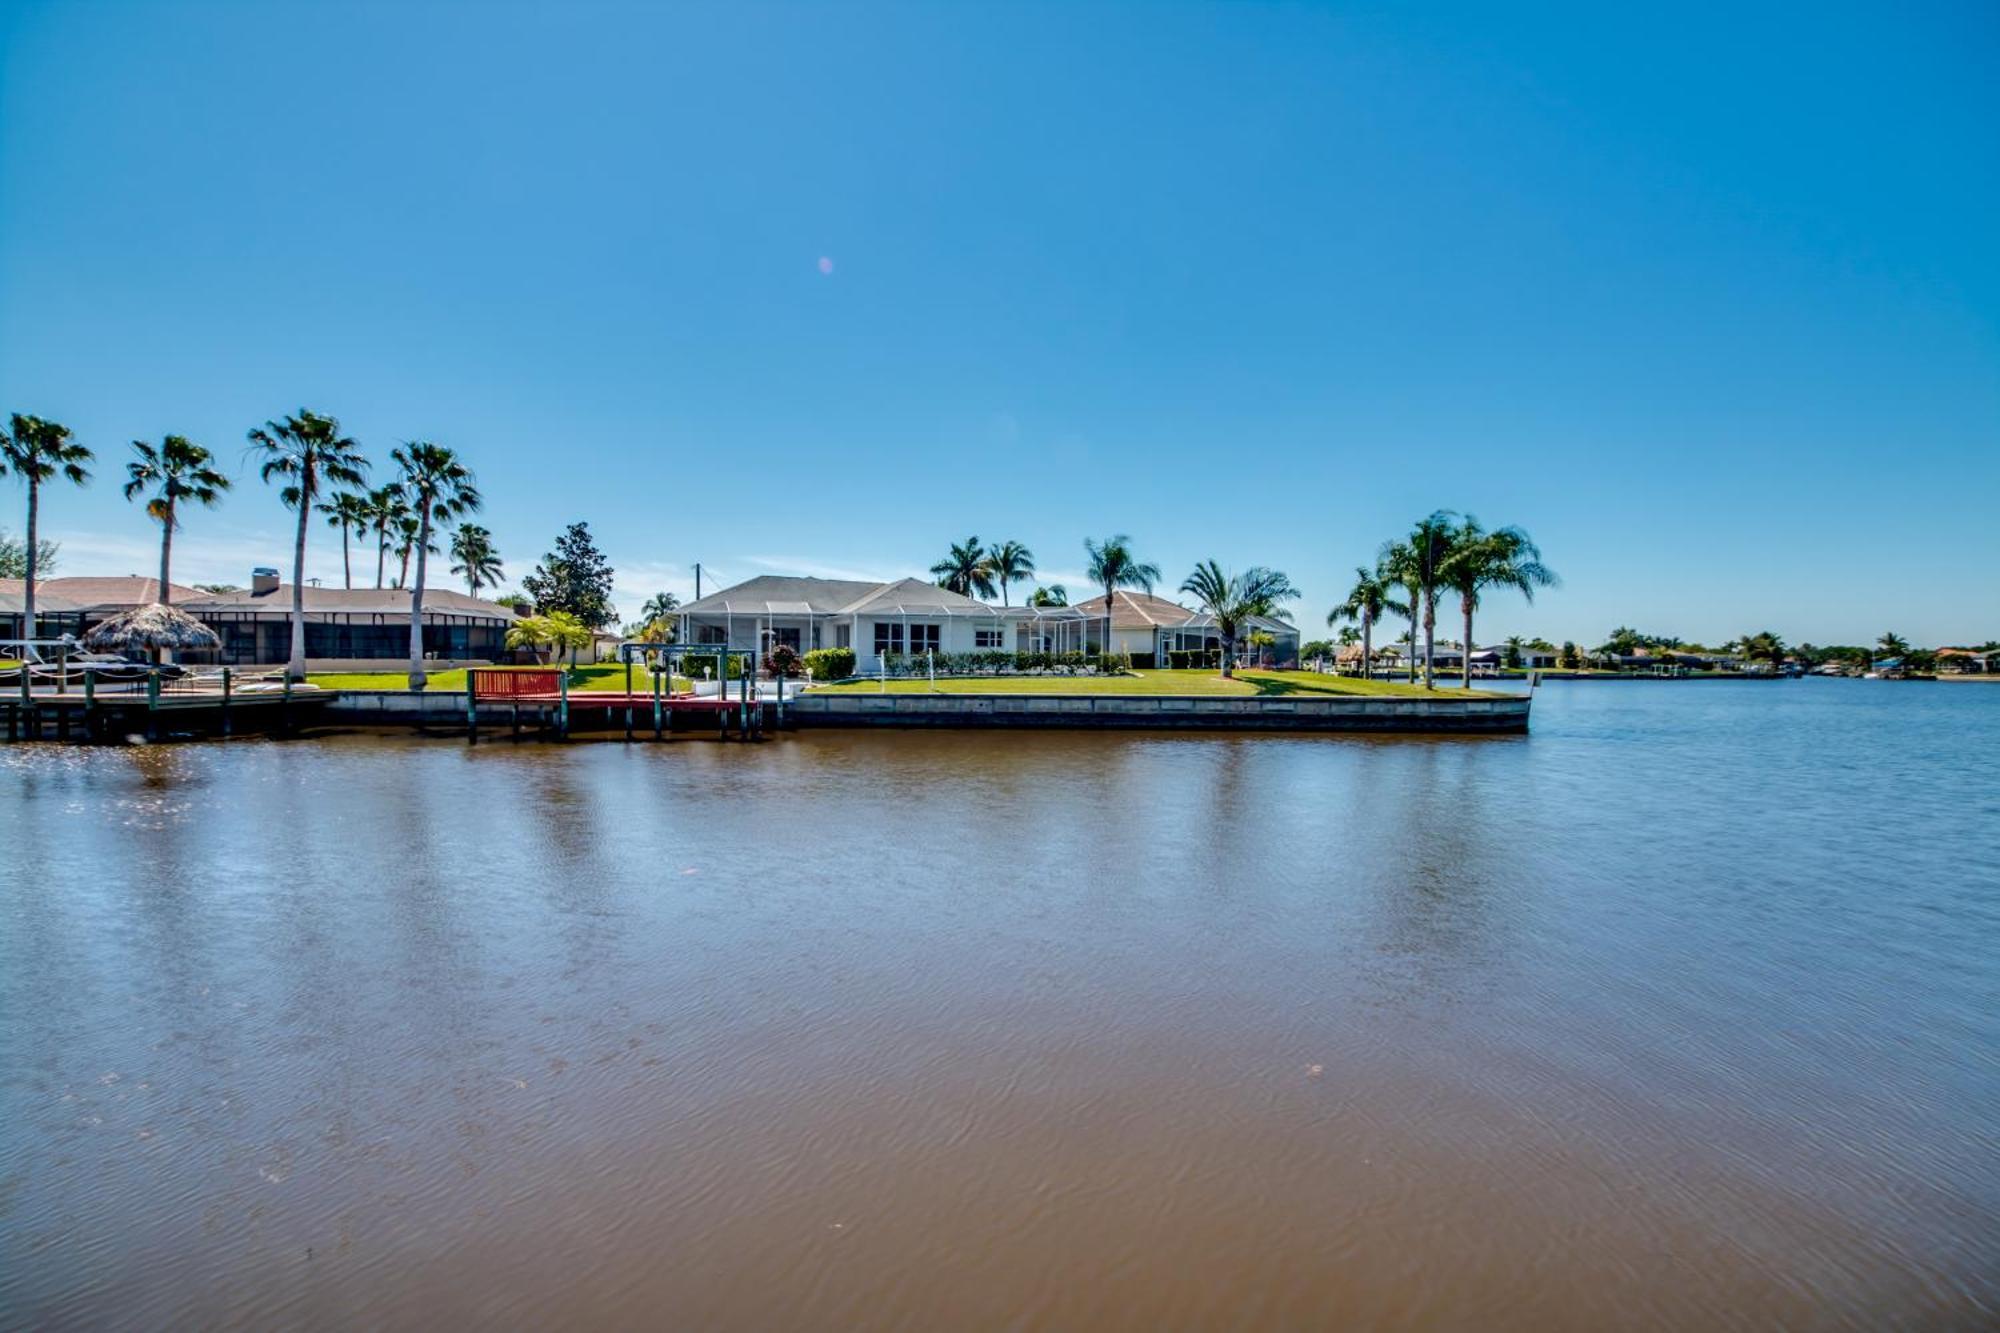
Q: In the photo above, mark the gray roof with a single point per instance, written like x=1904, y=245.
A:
x=777, y=594
x=917, y=597
x=355, y=601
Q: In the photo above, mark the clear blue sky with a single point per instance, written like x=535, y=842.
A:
x=1708, y=299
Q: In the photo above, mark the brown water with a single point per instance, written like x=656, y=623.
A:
x=1678, y=1013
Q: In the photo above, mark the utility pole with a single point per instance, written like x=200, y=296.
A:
x=697, y=580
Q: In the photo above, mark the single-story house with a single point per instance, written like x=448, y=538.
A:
x=1149, y=627
x=345, y=627
x=1966, y=662
x=72, y=605
x=901, y=616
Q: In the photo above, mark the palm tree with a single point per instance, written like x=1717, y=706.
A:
x=1398, y=566
x=1233, y=600
x=660, y=606
x=35, y=451
x=306, y=451
x=441, y=490
x=178, y=469
x=478, y=562
x=1763, y=644
x=386, y=510
x=1504, y=558
x=1113, y=566
x=1428, y=545
x=1366, y=601
x=964, y=570
x=1053, y=595
x=1010, y=562
x=348, y=511
x=1892, y=644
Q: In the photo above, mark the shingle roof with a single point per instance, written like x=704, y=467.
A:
x=1137, y=610
x=917, y=597
x=86, y=593
x=759, y=596
x=355, y=601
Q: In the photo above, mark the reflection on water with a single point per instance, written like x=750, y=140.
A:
x=1680, y=1012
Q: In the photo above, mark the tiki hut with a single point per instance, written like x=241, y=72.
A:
x=148, y=629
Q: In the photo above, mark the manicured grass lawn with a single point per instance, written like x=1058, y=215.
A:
x=1247, y=683
x=604, y=677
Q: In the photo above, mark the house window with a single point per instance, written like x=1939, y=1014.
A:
x=888, y=636
x=841, y=636
x=987, y=638
x=923, y=638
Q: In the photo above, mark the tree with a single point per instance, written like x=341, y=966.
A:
x=387, y=508
x=558, y=631
x=1053, y=595
x=348, y=511
x=178, y=469
x=1348, y=636
x=37, y=451
x=964, y=569
x=1234, y=600
x=441, y=490
x=1397, y=566
x=1420, y=561
x=1366, y=602
x=409, y=529
x=1113, y=566
x=1763, y=645
x=1010, y=562
x=306, y=452
x=1513, y=658
x=576, y=578
x=1478, y=560
x=660, y=606
x=1569, y=659
x=1892, y=644
x=475, y=559
x=14, y=556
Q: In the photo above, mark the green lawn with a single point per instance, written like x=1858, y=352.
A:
x=603, y=677
x=1246, y=683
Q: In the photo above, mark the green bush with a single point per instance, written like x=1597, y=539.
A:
x=830, y=663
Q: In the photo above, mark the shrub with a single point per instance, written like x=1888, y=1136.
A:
x=830, y=663
x=782, y=660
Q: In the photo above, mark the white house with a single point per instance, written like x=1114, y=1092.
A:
x=1150, y=627
x=903, y=616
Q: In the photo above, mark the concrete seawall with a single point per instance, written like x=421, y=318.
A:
x=1162, y=712
x=396, y=708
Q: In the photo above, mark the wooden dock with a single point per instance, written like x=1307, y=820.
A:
x=98, y=713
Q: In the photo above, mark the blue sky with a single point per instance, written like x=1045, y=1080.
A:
x=1707, y=298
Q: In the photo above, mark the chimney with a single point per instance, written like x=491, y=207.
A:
x=263, y=579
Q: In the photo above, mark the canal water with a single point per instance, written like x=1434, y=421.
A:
x=1681, y=1012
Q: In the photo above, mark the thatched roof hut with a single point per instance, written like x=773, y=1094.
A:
x=148, y=628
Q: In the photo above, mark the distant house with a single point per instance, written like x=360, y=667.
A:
x=902, y=616
x=1966, y=662
x=1149, y=627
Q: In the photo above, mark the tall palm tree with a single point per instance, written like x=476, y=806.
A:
x=1010, y=562
x=1503, y=558
x=177, y=469
x=1052, y=595
x=1233, y=600
x=408, y=528
x=660, y=606
x=348, y=511
x=36, y=451
x=386, y=510
x=964, y=569
x=1398, y=566
x=306, y=452
x=478, y=560
x=441, y=490
x=1113, y=566
x=1366, y=602
x=1429, y=544
x=1892, y=644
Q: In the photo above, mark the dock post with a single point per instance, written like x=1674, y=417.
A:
x=656, y=702
x=152, y=705
x=89, y=704
x=628, y=696
x=62, y=669
x=562, y=707
x=27, y=706
x=285, y=722
x=471, y=710
x=228, y=728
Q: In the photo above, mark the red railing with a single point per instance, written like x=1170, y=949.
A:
x=496, y=684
